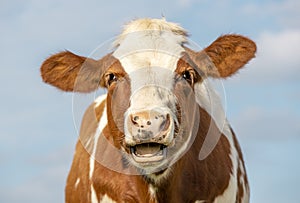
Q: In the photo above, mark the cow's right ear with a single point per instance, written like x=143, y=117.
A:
x=70, y=72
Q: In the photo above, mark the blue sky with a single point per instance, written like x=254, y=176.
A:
x=37, y=133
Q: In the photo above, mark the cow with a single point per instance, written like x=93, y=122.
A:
x=154, y=136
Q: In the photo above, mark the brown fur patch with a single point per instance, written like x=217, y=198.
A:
x=225, y=56
x=117, y=103
x=70, y=72
x=79, y=169
x=118, y=186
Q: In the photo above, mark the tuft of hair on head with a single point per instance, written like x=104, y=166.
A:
x=150, y=24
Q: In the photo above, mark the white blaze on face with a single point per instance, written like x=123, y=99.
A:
x=150, y=58
x=149, y=51
x=151, y=88
x=149, y=48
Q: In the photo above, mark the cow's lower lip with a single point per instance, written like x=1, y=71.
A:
x=148, y=152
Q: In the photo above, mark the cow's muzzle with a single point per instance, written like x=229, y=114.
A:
x=149, y=133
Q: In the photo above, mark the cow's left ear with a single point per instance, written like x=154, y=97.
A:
x=228, y=54
x=70, y=72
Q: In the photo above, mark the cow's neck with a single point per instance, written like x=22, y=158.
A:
x=190, y=171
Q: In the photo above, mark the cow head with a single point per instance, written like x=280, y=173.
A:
x=151, y=78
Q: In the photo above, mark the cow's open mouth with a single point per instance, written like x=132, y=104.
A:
x=148, y=152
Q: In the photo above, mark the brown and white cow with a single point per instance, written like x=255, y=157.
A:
x=142, y=141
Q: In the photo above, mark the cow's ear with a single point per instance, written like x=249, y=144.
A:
x=70, y=72
x=225, y=56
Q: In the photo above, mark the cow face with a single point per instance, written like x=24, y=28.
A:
x=156, y=131
x=151, y=108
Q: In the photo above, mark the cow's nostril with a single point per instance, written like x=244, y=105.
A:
x=135, y=120
x=168, y=117
x=166, y=122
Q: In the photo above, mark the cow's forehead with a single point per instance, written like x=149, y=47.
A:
x=150, y=43
x=150, y=57
x=150, y=48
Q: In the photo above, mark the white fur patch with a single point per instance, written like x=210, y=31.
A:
x=94, y=198
x=150, y=24
x=133, y=57
x=229, y=194
x=152, y=192
x=155, y=91
x=149, y=60
x=107, y=199
x=96, y=136
x=99, y=100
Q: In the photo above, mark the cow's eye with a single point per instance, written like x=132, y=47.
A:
x=110, y=78
x=188, y=76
